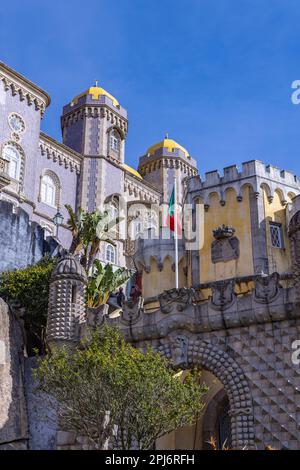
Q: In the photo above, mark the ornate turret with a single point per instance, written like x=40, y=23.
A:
x=66, y=309
x=162, y=162
x=95, y=125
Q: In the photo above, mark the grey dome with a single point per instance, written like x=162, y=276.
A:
x=69, y=266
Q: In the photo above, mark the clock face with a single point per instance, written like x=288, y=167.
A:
x=16, y=123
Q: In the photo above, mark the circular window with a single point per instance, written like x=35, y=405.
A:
x=16, y=123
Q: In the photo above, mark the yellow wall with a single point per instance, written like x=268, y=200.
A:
x=279, y=259
x=237, y=215
x=155, y=282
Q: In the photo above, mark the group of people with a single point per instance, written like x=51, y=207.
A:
x=135, y=293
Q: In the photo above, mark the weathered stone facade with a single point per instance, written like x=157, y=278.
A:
x=237, y=311
x=244, y=340
x=13, y=411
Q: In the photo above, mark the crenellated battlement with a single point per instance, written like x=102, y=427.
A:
x=249, y=169
x=253, y=173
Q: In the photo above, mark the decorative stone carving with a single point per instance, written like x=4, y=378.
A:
x=179, y=350
x=223, y=232
x=240, y=411
x=266, y=288
x=179, y=297
x=22, y=89
x=223, y=294
x=96, y=316
x=226, y=245
x=68, y=158
x=131, y=311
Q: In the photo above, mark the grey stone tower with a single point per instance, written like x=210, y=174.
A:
x=160, y=164
x=66, y=309
x=95, y=125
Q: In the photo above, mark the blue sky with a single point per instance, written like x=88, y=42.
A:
x=215, y=74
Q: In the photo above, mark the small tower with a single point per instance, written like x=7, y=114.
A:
x=66, y=308
x=162, y=162
x=95, y=125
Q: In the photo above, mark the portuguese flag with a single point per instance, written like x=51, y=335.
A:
x=171, y=215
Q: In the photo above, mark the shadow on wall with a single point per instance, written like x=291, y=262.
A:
x=13, y=416
x=22, y=242
x=27, y=417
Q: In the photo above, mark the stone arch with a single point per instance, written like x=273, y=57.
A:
x=225, y=195
x=281, y=195
x=116, y=129
x=187, y=353
x=248, y=186
x=266, y=188
x=291, y=195
x=198, y=200
x=213, y=196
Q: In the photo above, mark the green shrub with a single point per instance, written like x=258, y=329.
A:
x=29, y=288
x=145, y=398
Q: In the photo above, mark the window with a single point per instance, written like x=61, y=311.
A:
x=16, y=123
x=115, y=142
x=48, y=191
x=138, y=228
x=151, y=220
x=110, y=254
x=74, y=294
x=113, y=213
x=13, y=156
x=276, y=235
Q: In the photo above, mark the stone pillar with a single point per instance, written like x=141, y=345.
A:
x=66, y=308
x=294, y=235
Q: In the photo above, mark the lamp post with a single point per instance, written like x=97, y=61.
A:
x=58, y=220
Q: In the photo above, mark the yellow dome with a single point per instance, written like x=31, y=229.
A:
x=132, y=170
x=96, y=92
x=169, y=144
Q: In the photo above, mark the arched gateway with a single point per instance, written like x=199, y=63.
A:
x=187, y=352
x=245, y=341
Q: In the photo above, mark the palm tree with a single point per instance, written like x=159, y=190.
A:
x=89, y=229
x=103, y=281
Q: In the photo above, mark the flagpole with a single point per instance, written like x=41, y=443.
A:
x=175, y=231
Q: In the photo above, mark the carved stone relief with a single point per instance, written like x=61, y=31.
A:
x=226, y=245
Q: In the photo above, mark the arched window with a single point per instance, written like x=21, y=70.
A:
x=50, y=188
x=13, y=156
x=114, y=140
x=110, y=254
